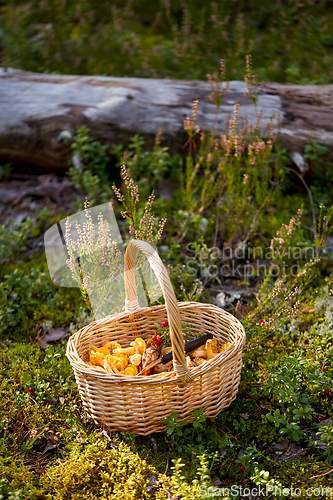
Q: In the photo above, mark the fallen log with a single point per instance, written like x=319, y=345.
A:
x=36, y=108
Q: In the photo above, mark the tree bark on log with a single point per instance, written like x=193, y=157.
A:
x=36, y=108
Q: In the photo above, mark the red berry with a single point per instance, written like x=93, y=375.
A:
x=242, y=468
x=261, y=321
x=320, y=419
x=326, y=391
x=164, y=324
x=157, y=340
x=32, y=390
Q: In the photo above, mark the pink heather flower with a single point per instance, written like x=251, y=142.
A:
x=189, y=123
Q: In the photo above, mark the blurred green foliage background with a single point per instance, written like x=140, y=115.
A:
x=290, y=40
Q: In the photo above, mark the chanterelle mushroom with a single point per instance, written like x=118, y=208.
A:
x=109, y=365
x=97, y=358
x=124, y=350
x=135, y=359
x=131, y=370
x=104, y=350
x=211, y=348
x=199, y=353
x=139, y=345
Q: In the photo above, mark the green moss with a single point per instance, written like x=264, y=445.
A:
x=98, y=472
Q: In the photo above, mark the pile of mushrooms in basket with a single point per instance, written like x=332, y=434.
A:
x=147, y=358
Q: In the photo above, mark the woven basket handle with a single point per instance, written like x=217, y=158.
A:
x=132, y=304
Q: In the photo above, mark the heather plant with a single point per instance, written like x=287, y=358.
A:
x=215, y=81
x=233, y=181
x=254, y=88
x=191, y=127
x=142, y=223
x=95, y=258
x=280, y=292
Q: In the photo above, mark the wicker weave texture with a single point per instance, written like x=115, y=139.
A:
x=137, y=404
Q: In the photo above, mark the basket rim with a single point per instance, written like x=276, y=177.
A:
x=155, y=379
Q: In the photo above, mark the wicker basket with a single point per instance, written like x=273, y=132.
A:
x=137, y=404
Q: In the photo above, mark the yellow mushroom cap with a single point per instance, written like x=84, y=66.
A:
x=141, y=344
x=97, y=358
x=119, y=356
x=104, y=350
x=135, y=359
x=119, y=363
x=131, y=370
